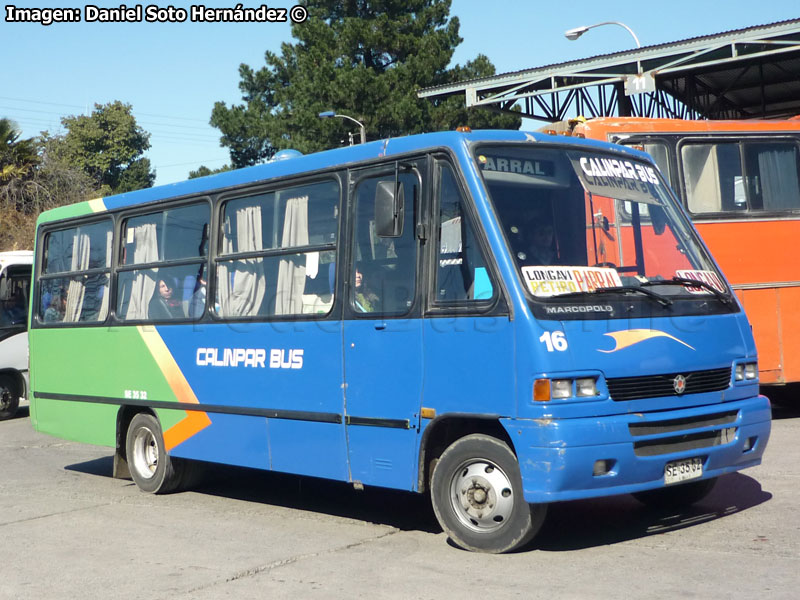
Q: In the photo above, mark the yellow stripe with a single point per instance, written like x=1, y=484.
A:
x=97, y=205
x=194, y=421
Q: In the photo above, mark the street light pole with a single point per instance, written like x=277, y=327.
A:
x=328, y=114
x=574, y=34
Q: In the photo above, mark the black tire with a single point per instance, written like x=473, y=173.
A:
x=151, y=468
x=677, y=496
x=9, y=397
x=476, y=492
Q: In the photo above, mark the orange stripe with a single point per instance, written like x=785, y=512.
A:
x=194, y=421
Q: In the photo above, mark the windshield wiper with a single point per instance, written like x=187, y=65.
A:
x=686, y=282
x=622, y=289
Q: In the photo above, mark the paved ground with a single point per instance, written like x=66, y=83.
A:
x=68, y=530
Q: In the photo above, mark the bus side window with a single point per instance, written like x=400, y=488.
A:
x=714, y=180
x=384, y=272
x=461, y=274
x=742, y=177
x=288, y=278
x=773, y=175
x=74, y=286
x=159, y=293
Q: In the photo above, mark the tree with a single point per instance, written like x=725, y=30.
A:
x=18, y=158
x=108, y=146
x=363, y=58
x=203, y=171
x=41, y=181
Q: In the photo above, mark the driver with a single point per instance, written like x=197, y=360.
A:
x=535, y=244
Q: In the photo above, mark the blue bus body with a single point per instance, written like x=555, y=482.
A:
x=373, y=400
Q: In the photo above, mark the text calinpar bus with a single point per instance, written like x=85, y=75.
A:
x=487, y=316
x=15, y=282
x=740, y=183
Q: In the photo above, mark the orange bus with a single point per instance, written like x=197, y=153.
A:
x=740, y=182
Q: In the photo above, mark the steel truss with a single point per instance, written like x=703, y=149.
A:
x=746, y=73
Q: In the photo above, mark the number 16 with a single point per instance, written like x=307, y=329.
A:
x=554, y=340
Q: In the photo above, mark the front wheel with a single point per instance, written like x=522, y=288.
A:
x=677, y=496
x=476, y=492
x=150, y=466
x=9, y=397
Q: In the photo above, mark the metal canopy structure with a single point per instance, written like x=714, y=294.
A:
x=739, y=74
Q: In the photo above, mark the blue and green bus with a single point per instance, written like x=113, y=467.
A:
x=500, y=319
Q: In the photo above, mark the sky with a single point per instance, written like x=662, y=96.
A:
x=173, y=73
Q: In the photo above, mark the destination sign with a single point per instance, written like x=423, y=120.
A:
x=552, y=281
x=617, y=178
x=510, y=164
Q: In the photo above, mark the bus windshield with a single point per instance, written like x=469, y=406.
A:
x=581, y=224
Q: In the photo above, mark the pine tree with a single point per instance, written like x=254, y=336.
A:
x=363, y=58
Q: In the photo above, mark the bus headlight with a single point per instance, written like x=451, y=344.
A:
x=545, y=390
x=586, y=387
x=560, y=388
x=750, y=370
x=746, y=371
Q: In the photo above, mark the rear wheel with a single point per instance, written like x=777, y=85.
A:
x=151, y=468
x=677, y=496
x=9, y=397
x=476, y=491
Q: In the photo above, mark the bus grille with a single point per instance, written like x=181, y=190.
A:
x=653, y=386
x=682, y=443
x=685, y=424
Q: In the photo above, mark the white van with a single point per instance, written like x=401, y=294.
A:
x=15, y=285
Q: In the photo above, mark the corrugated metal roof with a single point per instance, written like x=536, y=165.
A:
x=721, y=64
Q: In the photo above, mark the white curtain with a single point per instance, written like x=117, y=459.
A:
x=292, y=269
x=701, y=164
x=224, y=271
x=779, y=185
x=76, y=289
x=145, y=240
x=243, y=296
x=104, y=302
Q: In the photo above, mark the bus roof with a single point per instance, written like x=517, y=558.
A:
x=316, y=162
x=16, y=257
x=643, y=124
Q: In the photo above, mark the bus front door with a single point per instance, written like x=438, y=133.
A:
x=382, y=339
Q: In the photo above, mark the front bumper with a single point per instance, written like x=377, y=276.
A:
x=558, y=457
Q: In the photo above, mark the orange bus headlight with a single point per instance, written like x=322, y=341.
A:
x=541, y=390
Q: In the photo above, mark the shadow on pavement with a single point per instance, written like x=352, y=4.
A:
x=99, y=466
x=403, y=510
x=785, y=400
x=598, y=522
x=23, y=412
x=569, y=526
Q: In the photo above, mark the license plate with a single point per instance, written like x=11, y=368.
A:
x=683, y=470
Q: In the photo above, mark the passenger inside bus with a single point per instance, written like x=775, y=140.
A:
x=166, y=304
x=366, y=300
x=57, y=309
x=14, y=309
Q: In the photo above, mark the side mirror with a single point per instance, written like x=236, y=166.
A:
x=389, y=209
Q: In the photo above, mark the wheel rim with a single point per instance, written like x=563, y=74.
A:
x=145, y=453
x=481, y=495
x=5, y=397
